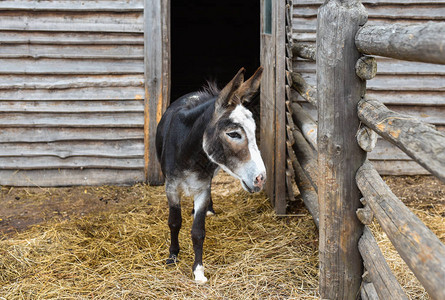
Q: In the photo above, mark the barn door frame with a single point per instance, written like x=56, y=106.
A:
x=157, y=67
x=273, y=104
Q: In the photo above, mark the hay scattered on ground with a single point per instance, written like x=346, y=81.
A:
x=249, y=253
x=116, y=248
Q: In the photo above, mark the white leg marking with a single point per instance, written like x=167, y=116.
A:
x=199, y=275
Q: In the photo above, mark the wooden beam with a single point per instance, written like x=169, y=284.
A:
x=384, y=281
x=307, y=191
x=307, y=91
x=304, y=121
x=417, y=139
x=306, y=158
x=416, y=42
x=157, y=80
x=422, y=251
x=339, y=89
x=303, y=50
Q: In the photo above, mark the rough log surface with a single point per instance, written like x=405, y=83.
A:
x=307, y=91
x=306, y=124
x=306, y=51
x=386, y=285
x=307, y=191
x=368, y=292
x=339, y=90
x=366, y=67
x=306, y=158
x=366, y=138
x=417, y=245
x=419, y=42
x=417, y=139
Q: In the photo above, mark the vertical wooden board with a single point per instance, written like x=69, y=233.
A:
x=267, y=125
x=156, y=51
x=280, y=107
x=339, y=156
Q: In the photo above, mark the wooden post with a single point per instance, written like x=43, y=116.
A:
x=339, y=156
x=157, y=79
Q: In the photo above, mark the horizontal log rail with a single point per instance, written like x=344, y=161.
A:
x=306, y=124
x=385, y=283
x=417, y=139
x=303, y=50
x=417, y=42
x=422, y=251
x=307, y=91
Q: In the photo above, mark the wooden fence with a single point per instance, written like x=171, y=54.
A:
x=350, y=191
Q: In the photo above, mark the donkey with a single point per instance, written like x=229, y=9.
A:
x=198, y=134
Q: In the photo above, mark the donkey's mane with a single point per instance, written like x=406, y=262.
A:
x=209, y=90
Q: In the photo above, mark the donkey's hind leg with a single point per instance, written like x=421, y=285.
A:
x=198, y=233
x=174, y=220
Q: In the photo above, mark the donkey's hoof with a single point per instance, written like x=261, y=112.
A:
x=199, y=275
x=172, y=259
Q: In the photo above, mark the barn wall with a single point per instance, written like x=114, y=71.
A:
x=417, y=89
x=71, y=92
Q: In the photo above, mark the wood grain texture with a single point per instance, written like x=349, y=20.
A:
x=417, y=139
x=339, y=90
x=307, y=91
x=305, y=123
x=92, y=21
x=423, y=42
x=384, y=281
x=64, y=5
x=368, y=292
x=70, y=177
x=157, y=81
x=417, y=245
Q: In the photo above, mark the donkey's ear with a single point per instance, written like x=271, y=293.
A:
x=227, y=95
x=250, y=87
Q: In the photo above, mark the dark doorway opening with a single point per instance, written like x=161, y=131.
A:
x=212, y=40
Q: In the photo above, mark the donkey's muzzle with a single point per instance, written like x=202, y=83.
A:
x=259, y=182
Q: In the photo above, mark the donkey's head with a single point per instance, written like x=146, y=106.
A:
x=229, y=141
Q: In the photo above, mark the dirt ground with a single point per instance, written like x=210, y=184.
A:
x=111, y=243
x=24, y=207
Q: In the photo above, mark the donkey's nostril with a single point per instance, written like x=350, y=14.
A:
x=259, y=181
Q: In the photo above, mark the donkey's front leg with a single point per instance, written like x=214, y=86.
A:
x=174, y=220
x=198, y=233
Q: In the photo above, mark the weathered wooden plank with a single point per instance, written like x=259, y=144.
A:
x=280, y=106
x=423, y=42
x=67, y=5
x=71, y=106
x=72, y=120
x=386, y=66
x=36, y=134
x=74, y=21
x=417, y=245
x=38, y=51
x=408, y=98
x=396, y=167
x=122, y=148
x=402, y=2
x=70, y=66
x=306, y=158
x=76, y=94
x=71, y=38
x=157, y=79
x=368, y=292
x=385, y=10
x=51, y=162
x=428, y=114
x=66, y=82
x=384, y=150
x=417, y=139
x=68, y=177
x=384, y=281
x=339, y=156
x=406, y=83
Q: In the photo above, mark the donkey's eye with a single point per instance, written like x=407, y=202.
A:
x=234, y=135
